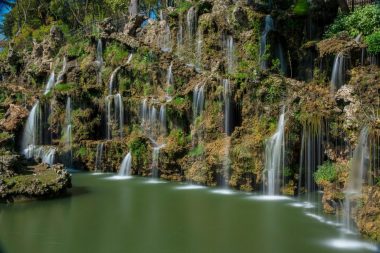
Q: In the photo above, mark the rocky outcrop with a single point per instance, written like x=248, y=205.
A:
x=39, y=182
x=13, y=118
x=368, y=215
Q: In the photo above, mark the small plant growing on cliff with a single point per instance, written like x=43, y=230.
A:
x=326, y=173
x=373, y=42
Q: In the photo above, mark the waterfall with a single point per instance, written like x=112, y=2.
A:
x=133, y=8
x=43, y=153
x=228, y=124
x=179, y=37
x=62, y=73
x=163, y=124
x=31, y=132
x=359, y=166
x=153, y=122
x=130, y=57
x=338, y=72
x=169, y=75
x=269, y=26
x=125, y=167
x=155, y=160
x=119, y=107
x=226, y=163
x=108, y=103
x=165, y=39
x=68, y=132
x=274, y=157
x=191, y=22
x=113, y=80
x=144, y=112
x=99, y=60
x=230, y=53
x=48, y=157
x=311, y=156
x=281, y=56
x=99, y=156
x=199, y=45
x=50, y=83
x=198, y=100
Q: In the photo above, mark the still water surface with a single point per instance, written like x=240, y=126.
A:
x=136, y=215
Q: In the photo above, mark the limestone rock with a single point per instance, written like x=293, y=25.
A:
x=13, y=118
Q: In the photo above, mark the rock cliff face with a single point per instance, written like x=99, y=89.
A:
x=195, y=95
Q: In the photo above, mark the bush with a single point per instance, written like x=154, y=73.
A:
x=115, y=54
x=64, y=87
x=301, y=8
x=77, y=49
x=40, y=33
x=138, y=147
x=327, y=172
x=365, y=20
x=373, y=42
x=197, y=151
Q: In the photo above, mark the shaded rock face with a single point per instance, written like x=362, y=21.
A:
x=368, y=214
x=9, y=164
x=13, y=118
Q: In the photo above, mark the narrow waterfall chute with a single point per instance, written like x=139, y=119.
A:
x=275, y=156
x=126, y=165
x=338, y=72
x=358, y=169
x=50, y=83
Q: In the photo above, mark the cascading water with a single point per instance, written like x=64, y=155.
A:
x=199, y=46
x=338, y=72
x=228, y=124
x=119, y=111
x=99, y=61
x=108, y=103
x=281, y=56
x=133, y=8
x=113, y=80
x=125, y=167
x=155, y=160
x=169, y=75
x=49, y=156
x=165, y=39
x=311, y=156
x=274, y=157
x=230, y=53
x=163, y=124
x=269, y=26
x=359, y=167
x=191, y=23
x=180, y=40
x=99, y=156
x=31, y=132
x=62, y=73
x=68, y=133
x=50, y=83
x=198, y=100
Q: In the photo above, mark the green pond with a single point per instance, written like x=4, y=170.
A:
x=138, y=215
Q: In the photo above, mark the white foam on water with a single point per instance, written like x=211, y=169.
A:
x=350, y=244
x=306, y=205
x=155, y=181
x=190, y=187
x=116, y=177
x=270, y=198
x=223, y=191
